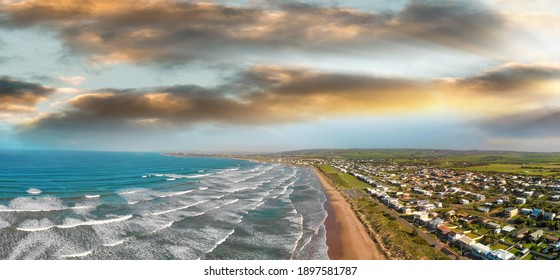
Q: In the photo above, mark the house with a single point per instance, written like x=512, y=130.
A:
x=405, y=210
x=508, y=229
x=537, y=212
x=424, y=221
x=535, y=236
x=465, y=242
x=492, y=225
x=499, y=201
x=450, y=213
x=464, y=201
x=453, y=236
x=520, y=234
x=555, y=197
x=483, y=209
x=510, y=212
x=480, y=251
x=551, y=239
x=528, y=193
x=420, y=214
x=428, y=207
x=548, y=216
x=501, y=254
x=442, y=231
x=526, y=211
x=520, y=200
x=434, y=223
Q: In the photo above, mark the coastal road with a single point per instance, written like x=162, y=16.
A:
x=432, y=241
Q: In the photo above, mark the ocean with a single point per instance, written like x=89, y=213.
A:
x=102, y=205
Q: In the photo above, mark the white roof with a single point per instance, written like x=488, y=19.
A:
x=502, y=254
x=480, y=248
x=508, y=228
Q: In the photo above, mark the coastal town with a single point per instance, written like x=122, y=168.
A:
x=465, y=214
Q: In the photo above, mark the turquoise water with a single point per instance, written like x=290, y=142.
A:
x=99, y=205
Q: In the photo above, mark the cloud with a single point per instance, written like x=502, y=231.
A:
x=508, y=88
x=173, y=32
x=17, y=95
x=269, y=94
x=544, y=122
x=513, y=77
x=72, y=80
x=262, y=95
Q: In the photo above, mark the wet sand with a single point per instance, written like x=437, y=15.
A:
x=346, y=236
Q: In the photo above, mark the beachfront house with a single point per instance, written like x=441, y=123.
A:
x=480, y=251
x=434, y=223
x=453, y=236
x=442, y=231
x=465, y=242
x=500, y=254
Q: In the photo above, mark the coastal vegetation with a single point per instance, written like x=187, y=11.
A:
x=396, y=240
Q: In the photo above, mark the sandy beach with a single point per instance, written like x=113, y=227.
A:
x=346, y=236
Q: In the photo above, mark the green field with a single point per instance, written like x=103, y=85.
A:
x=441, y=156
x=549, y=169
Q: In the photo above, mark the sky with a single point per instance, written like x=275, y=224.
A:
x=264, y=76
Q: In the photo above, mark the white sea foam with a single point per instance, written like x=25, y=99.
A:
x=36, y=225
x=177, y=209
x=173, y=194
x=129, y=192
x=77, y=255
x=92, y=196
x=230, y=202
x=163, y=227
x=227, y=170
x=197, y=176
x=95, y=222
x=172, y=177
x=34, y=191
x=113, y=244
x=34, y=204
x=4, y=224
x=220, y=241
x=203, y=188
x=144, y=176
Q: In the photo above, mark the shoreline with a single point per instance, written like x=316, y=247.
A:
x=347, y=238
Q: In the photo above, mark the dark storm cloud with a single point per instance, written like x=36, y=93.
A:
x=536, y=123
x=17, y=95
x=277, y=95
x=514, y=77
x=170, y=32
